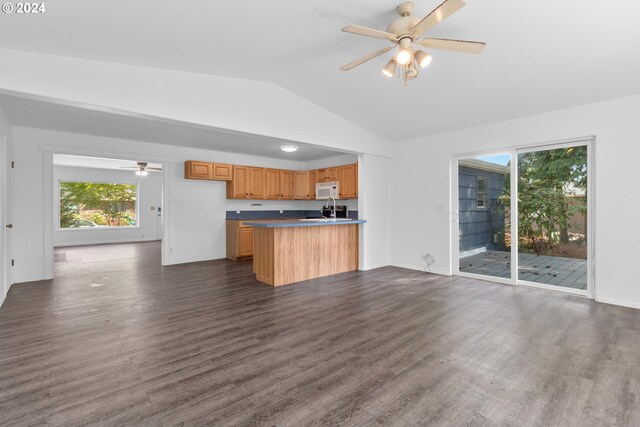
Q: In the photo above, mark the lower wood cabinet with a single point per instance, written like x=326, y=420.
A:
x=239, y=240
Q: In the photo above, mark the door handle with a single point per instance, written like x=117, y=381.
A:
x=9, y=225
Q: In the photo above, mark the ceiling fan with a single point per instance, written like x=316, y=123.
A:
x=406, y=31
x=142, y=168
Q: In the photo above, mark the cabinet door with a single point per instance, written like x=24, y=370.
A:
x=332, y=174
x=197, y=170
x=245, y=241
x=286, y=185
x=301, y=185
x=313, y=179
x=239, y=187
x=221, y=172
x=347, y=177
x=272, y=185
x=257, y=183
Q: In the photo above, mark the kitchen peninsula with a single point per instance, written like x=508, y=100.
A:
x=286, y=252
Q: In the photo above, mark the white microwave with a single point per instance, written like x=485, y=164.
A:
x=324, y=190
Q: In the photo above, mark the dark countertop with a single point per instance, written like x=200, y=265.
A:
x=301, y=223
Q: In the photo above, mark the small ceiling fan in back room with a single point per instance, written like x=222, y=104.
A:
x=142, y=168
x=406, y=32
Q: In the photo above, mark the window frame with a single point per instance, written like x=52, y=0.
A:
x=95, y=229
x=486, y=192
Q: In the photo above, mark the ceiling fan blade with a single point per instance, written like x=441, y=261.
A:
x=369, y=32
x=463, y=46
x=437, y=15
x=365, y=58
x=153, y=169
x=129, y=167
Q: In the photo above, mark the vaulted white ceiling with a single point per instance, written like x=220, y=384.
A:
x=540, y=55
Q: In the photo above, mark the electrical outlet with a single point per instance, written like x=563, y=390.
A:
x=281, y=211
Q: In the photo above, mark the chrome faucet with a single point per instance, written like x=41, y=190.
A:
x=333, y=212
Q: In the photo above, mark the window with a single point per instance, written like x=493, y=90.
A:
x=93, y=205
x=481, y=192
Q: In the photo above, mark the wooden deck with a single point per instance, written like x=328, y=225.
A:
x=565, y=272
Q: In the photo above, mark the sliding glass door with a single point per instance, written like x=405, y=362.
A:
x=523, y=217
x=484, y=227
x=553, y=217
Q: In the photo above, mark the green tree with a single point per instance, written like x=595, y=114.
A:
x=111, y=200
x=545, y=178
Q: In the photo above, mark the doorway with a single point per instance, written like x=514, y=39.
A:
x=523, y=217
x=102, y=202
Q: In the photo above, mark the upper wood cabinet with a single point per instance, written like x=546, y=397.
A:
x=197, y=170
x=313, y=180
x=205, y=170
x=301, y=185
x=256, y=183
x=272, y=184
x=238, y=187
x=327, y=174
x=247, y=182
x=221, y=172
x=348, y=179
x=286, y=185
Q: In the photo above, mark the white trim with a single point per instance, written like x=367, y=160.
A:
x=555, y=288
x=48, y=216
x=622, y=303
x=418, y=268
x=85, y=243
x=501, y=280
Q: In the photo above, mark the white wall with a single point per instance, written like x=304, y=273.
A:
x=247, y=106
x=421, y=171
x=149, y=193
x=374, y=205
x=5, y=144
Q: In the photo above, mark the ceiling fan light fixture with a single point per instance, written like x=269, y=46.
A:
x=423, y=58
x=142, y=172
x=389, y=70
x=289, y=148
x=404, y=56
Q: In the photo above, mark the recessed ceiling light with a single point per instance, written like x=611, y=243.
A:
x=289, y=148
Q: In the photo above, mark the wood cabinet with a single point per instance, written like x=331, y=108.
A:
x=327, y=174
x=286, y=185
x=301, y=185
x=247, y=183
x=238, y=187
x=272, y=184
x=313, y=180
x=239, y=240
x=348, y=179
x=256, y=183
x=245, y=241
x=205, y=170
x=221, y=172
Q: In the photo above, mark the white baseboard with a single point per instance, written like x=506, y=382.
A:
x=619, y=302
x=85, y=243
x=372, y=267
x=421, y=268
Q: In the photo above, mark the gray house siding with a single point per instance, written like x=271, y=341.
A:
x=478, y=225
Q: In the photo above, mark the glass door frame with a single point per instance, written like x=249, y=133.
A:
x=513, y=153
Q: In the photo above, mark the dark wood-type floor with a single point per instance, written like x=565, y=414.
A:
x=118, y=340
